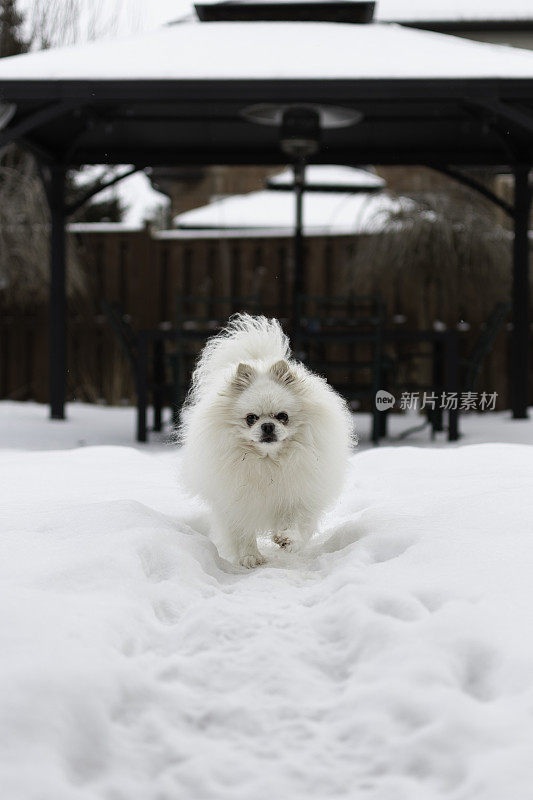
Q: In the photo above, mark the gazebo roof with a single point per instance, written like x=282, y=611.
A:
x=177, y=95
x=273, y=51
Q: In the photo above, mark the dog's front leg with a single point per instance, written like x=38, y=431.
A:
x=248, y=554
x=235, y=542
x=243, y=546
x=295, y=535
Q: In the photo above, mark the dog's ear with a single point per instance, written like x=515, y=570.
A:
x=243, y=377
x=282, y=373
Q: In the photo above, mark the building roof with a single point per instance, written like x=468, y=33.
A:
x=323, y=212
x=414, y=11
x=330, y=177
x=453, y=10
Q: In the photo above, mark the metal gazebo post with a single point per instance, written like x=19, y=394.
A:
x=300, y=128
x=299, y=252
x=55, y=191
x=520, y=293
x=301, y=184
x=300, y=138
x=53, y=178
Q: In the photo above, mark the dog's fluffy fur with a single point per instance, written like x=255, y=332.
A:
x=265, y=441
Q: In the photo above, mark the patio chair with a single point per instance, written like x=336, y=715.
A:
x=342, y=337
x=469, y=367
x=162, y=386
x=473, y=363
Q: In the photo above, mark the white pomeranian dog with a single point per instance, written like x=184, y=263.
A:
x=265, y=441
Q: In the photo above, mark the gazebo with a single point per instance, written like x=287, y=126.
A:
x=182, y=96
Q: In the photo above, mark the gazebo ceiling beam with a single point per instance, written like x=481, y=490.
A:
x=36, y=119
x=90, y=119
x=273, y=157
x=487, y=122
x=245, y=91
x=515, y=117
x=471, y=183
x=229, y=114
x=42, y=154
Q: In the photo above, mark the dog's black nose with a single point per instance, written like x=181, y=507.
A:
x=267, y=428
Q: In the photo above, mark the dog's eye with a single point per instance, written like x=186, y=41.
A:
x=250, y=419
x=283, y=417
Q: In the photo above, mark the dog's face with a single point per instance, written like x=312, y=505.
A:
x=267, y=407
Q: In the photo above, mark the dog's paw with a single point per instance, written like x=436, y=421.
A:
x=289, y=540
x=252, y=560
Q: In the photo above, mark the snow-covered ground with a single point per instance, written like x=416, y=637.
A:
x=26, y=426
x=393, y=661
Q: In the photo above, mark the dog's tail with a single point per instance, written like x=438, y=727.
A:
x=245, y=338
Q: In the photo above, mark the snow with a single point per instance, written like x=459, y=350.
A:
x=326, y=175
x=140, y=200
x=25, y=426
x=391, y=662
x=323, y=212
x=453, y=10
x=103, y=227
x=302, y=51
x=243, y=233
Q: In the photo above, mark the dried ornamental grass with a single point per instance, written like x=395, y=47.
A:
x=437, y=257
x=24, y=238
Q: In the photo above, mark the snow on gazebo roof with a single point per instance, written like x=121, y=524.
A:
x=324, y=213
x=273, y=50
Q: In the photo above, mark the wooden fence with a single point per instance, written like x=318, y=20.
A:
x=146, y=273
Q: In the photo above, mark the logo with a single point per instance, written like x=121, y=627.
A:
x=384, y=400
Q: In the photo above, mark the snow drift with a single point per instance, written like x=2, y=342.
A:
x=392, y=662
